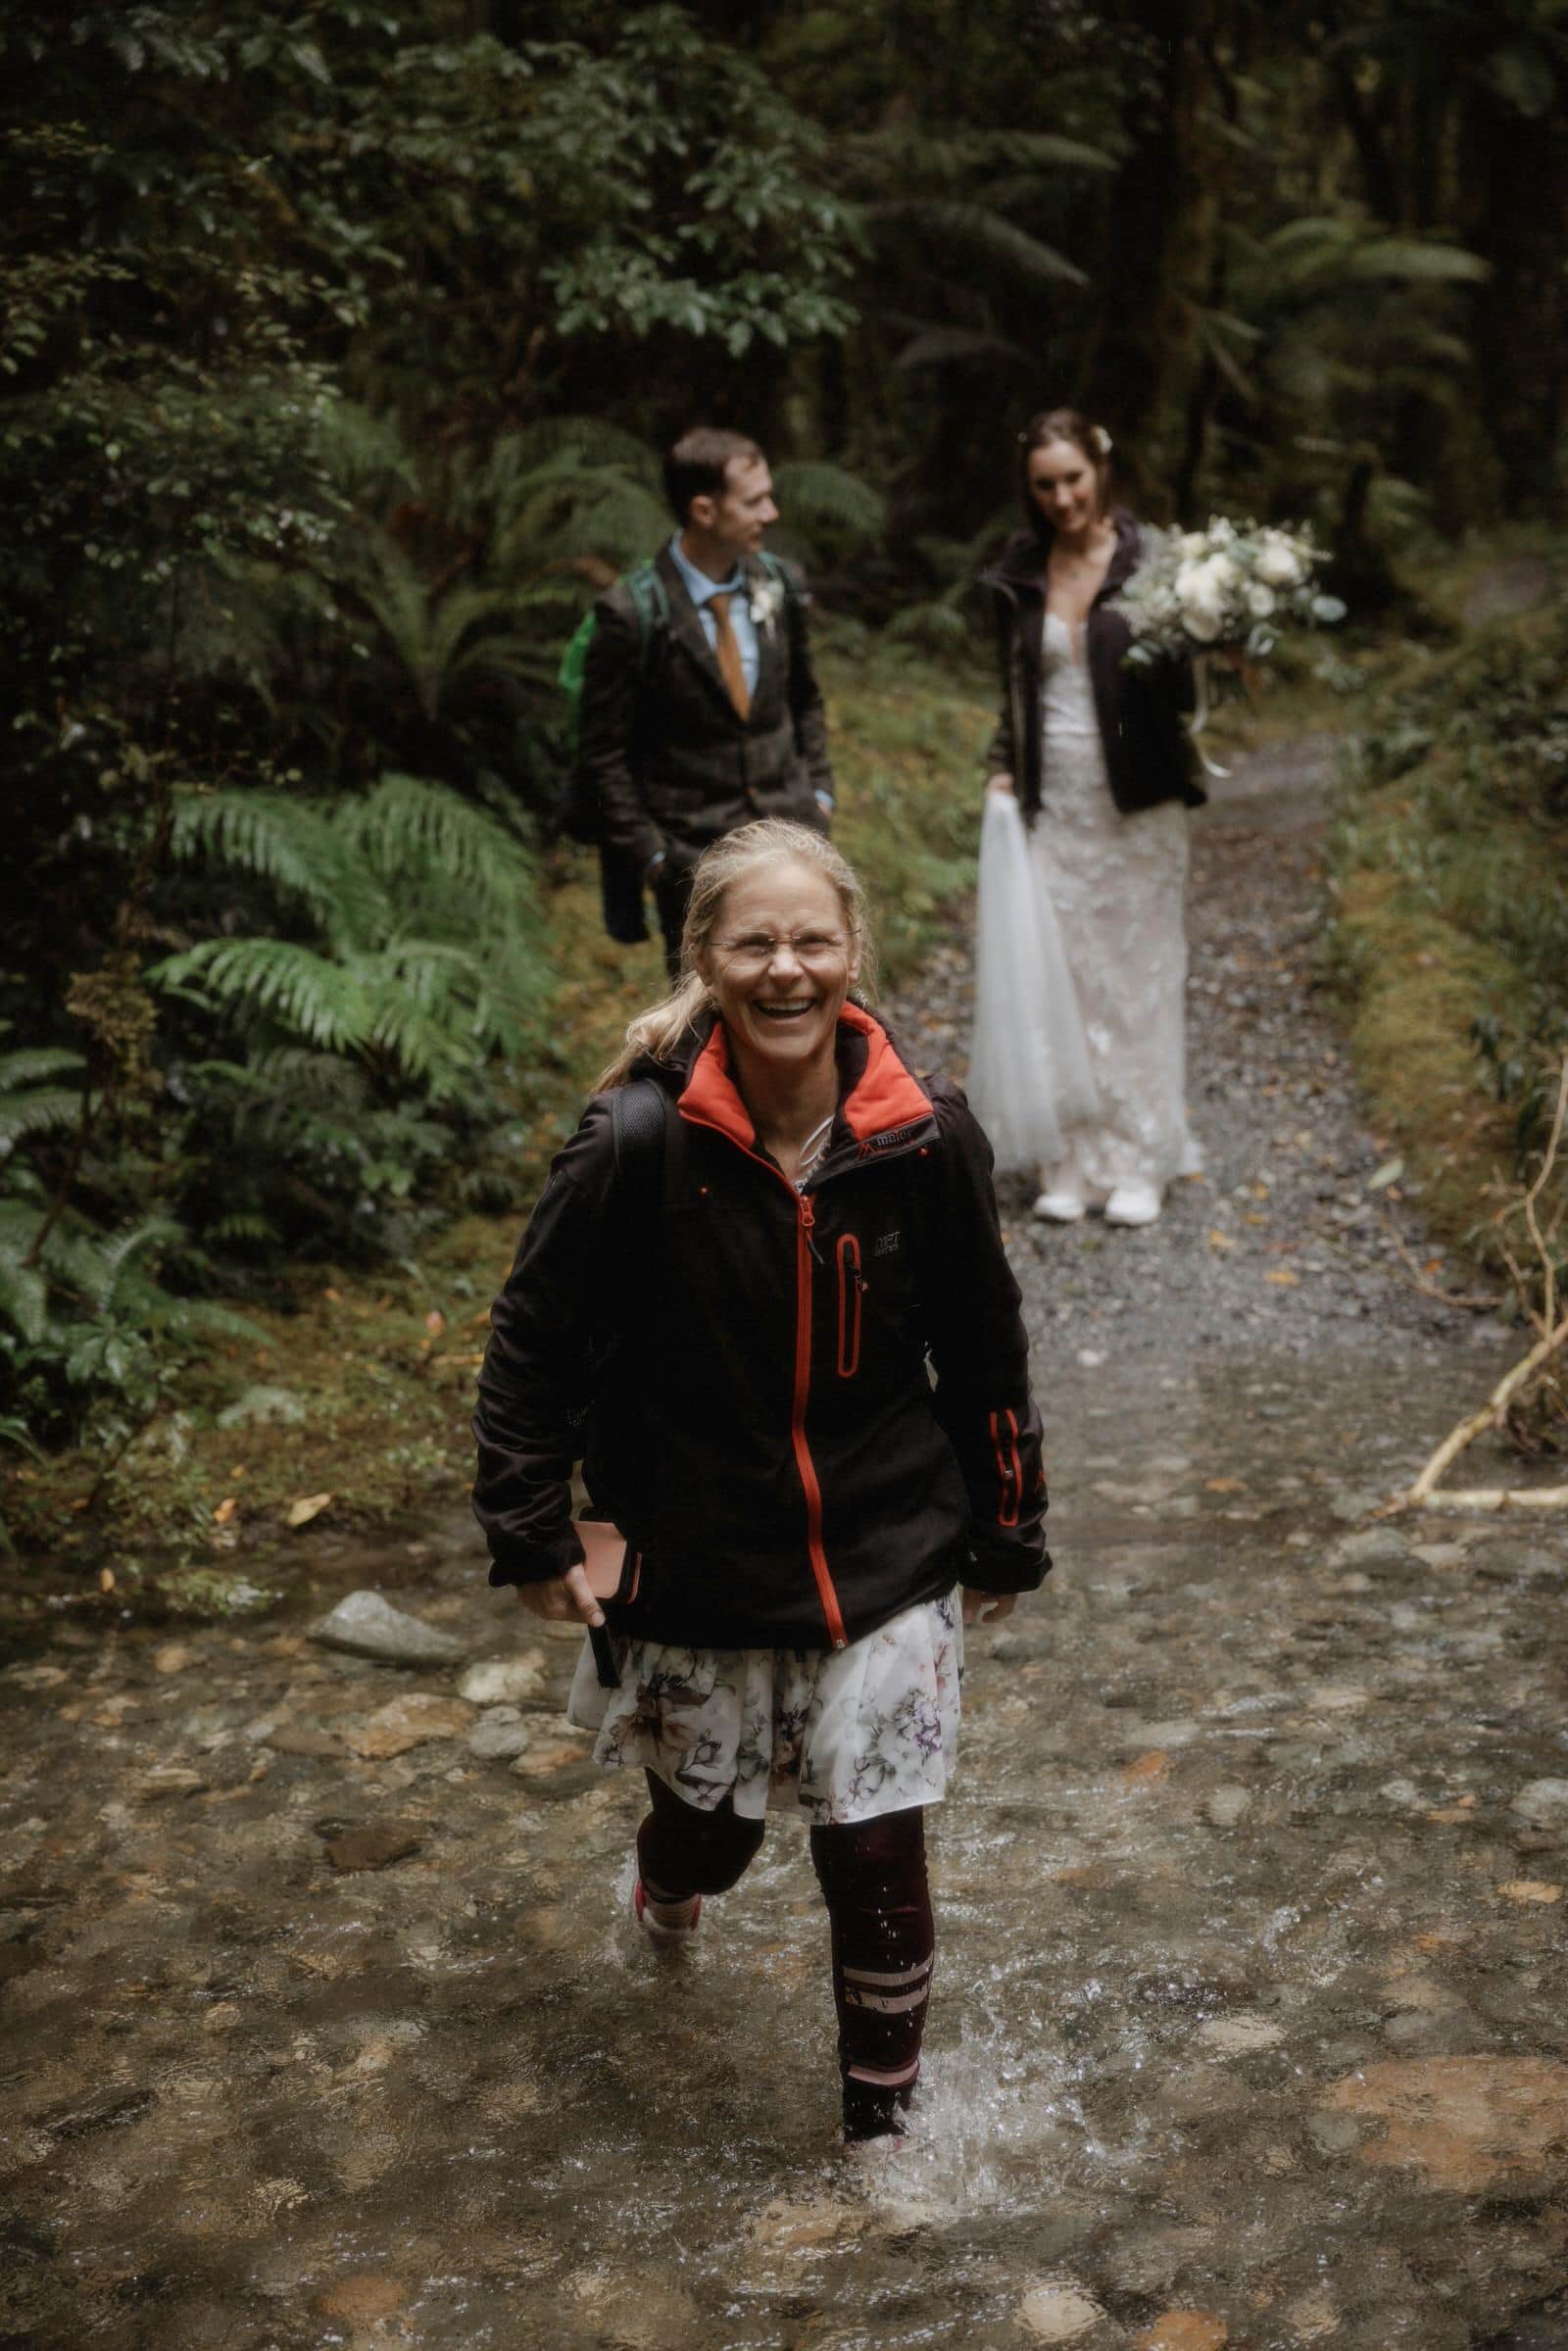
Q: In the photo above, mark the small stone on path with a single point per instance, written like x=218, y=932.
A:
x=1226, y=1806
x=173, y=1657
x=1530, y=1889
x=367, y=1626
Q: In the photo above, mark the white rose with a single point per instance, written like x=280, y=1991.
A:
x=1278, y=565
x=1259, y=601
x=1202, y=622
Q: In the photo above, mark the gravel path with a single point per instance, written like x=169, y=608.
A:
x=1285, y=1243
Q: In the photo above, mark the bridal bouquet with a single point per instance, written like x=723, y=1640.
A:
x=1234, y=585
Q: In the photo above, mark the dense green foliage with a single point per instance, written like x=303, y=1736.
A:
x=1450, y=858
x=340, y=340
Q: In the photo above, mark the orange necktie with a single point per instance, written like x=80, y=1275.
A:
x=728, y=653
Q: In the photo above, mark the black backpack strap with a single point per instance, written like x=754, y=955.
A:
x=639, y=1127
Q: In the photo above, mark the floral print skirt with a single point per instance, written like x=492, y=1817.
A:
x=835, y=1735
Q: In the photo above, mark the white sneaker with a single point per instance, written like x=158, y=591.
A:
x=1133, y=1203
x=1063, y=1207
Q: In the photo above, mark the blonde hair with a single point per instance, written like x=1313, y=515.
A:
x=772, y=841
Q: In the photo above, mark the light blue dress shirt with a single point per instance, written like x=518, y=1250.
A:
x=699, y=587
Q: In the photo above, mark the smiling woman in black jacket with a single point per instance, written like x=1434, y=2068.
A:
x=1092, y=753
x=764, y=1297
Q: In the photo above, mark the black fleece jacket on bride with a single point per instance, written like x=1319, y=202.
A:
x=807, y=1410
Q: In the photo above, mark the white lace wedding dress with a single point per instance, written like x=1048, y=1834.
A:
x=1078, y=1065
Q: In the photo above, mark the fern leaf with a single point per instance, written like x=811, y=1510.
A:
x=1416, y=262
x=30, y=1064
x=301, y=990
x=39, y=1112
x=423, y=832
x=283, y=841
x=23, y=1298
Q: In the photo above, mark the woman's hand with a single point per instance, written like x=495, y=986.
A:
x=563, y=1598
x=999, y=783
x=987, y=1607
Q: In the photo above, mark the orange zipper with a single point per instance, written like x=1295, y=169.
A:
x=804, y=1219
x=803, y=1451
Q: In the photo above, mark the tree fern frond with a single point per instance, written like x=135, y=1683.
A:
x=968, y=156
x=817, y=493
x=948, y=346
x=973, y=231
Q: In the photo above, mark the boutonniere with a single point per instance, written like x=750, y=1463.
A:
x=765, y=600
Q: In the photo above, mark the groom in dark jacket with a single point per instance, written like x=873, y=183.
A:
x=703, y=714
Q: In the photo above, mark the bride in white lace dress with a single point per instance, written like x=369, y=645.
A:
x=1078, y=1066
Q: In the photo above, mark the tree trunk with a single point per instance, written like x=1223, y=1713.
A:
x=1521, y=314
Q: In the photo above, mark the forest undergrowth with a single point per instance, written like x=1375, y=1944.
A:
x=343, y=1391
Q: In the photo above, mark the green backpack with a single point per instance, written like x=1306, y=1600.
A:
x=577, y=811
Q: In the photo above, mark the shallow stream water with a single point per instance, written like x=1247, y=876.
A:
x=1250, y=2022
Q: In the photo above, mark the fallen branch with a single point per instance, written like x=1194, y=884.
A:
x=1420, y=1495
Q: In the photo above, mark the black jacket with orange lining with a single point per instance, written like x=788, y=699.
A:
x=744, y=1368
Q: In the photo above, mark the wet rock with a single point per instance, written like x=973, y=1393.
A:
x=1542, y=1804
x=263, y=1406
x=791, y=2225
x=1226, y=1806
x=1184, y=2330
x=1471, y=2124
x=1059, y=2312
x=504, y=1681
x=170, y=1779
x=367, y=1626
x=1530, y=1889
x=304, y=1738
x=362, y=2301
x=173, y=1657
x=500, y=1735
x=407, y=1722
x=635, y=2311
x=373, y=1847
x=1243, y=2034
x=1370, y=1546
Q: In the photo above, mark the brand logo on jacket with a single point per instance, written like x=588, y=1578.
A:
x=887, y=1246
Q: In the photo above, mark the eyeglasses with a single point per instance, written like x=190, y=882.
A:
x=757, y=949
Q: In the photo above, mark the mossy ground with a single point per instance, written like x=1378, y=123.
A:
x=381, y=1366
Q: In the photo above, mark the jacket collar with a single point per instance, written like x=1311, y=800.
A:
x=1020, y=567
x=881, y=1109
